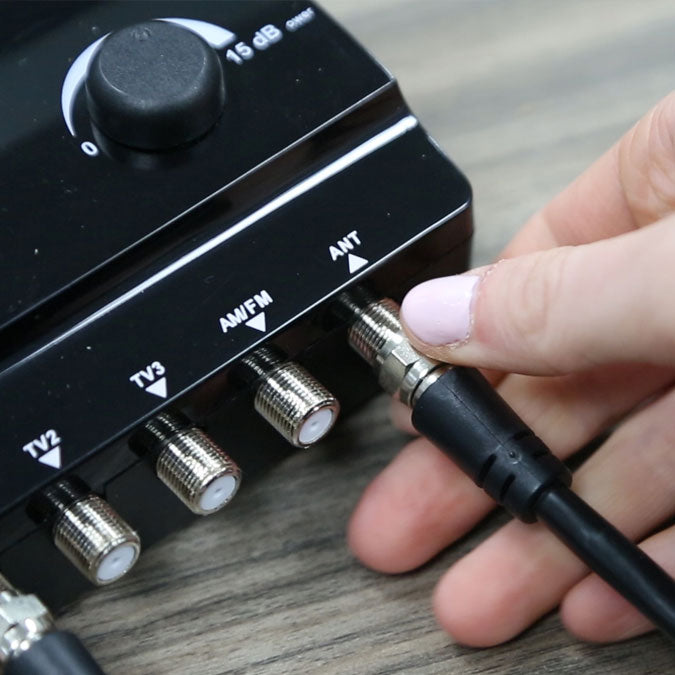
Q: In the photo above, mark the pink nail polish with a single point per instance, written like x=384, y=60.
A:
x=438, y=312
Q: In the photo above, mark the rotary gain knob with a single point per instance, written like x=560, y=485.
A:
x=155, y=86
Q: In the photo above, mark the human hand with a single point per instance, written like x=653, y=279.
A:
x=580, y=313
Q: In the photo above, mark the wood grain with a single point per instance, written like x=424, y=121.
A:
x=523, y=95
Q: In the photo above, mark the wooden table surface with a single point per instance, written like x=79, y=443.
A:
x=522, y=95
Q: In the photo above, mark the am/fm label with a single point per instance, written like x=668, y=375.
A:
x=248, y=313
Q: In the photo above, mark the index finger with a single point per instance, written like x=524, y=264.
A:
x=631, y=185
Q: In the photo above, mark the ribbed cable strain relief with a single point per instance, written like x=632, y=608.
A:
x=189, y=463
x=89, y=530
x=465, y=417
x=375, y=325
x=288, y=396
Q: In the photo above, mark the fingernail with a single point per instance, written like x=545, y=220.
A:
x=438, y=312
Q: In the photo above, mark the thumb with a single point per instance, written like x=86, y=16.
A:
x=555, y=311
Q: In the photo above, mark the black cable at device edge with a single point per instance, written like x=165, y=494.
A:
x=463, y=415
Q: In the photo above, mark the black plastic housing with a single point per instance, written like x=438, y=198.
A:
x=113, y=260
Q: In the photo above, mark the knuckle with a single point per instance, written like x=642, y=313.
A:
x=533, y=302
x=649, y=164
x=660, y=146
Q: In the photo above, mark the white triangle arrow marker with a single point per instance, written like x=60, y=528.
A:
x=356, y=263
x=52, y=458
x=258, y=322
x=157, y=388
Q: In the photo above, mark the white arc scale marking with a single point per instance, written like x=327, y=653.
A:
x=217, y=36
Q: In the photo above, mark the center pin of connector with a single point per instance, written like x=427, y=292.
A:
x=188, y=462
x=87, y=530
x=96, y=540
x=298, y=406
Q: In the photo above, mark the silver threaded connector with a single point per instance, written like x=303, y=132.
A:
x=197, y=471
x=299, y=407
x=377, y=336
x=94, y=537
x=375, y=326
x=24, y=620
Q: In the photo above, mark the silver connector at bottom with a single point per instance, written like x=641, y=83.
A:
x=23, y=621
x=377, y=336
x=92, y=535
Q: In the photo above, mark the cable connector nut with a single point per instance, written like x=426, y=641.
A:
x=377, y=336
x=23, y=621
